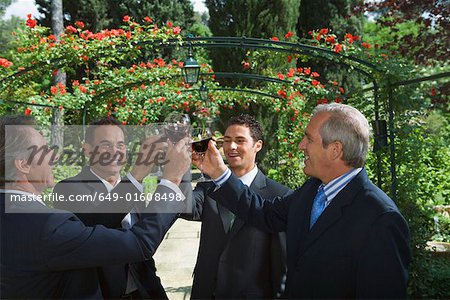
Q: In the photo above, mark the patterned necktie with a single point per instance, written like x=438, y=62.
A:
x=318, y=206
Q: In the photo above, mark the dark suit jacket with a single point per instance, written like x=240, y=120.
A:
x=359, y=247
x=243, y=262
x=113, y=278
x=49, y=253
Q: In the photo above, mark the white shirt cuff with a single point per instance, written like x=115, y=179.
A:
x=169, y=184
x=222, y=178
x=136, y=183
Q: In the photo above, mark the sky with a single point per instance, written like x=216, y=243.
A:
x=21, y=8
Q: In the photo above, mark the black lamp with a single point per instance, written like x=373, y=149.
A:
x=203, y=91
x=191, y=68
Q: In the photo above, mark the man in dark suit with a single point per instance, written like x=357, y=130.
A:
x=106, y=136
x=49, y=253
x=345, y=236
x=236, y=260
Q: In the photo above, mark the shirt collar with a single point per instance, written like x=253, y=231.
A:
x=336, y=185
x=248, y=178
x=109, y=187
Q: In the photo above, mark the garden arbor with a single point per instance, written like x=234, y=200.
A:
x=125, y=72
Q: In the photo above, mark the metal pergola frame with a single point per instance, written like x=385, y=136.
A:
x=355, y=63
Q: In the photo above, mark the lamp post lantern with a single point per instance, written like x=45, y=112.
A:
x=191, y=69
x=203, y=91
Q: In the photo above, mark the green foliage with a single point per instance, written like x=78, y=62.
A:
x=238, y=18
x=101, y=14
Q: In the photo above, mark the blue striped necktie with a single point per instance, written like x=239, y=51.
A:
x=318, y=205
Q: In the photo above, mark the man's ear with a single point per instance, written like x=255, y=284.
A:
x=336, y=150
x=22, y=166
x=258, y=145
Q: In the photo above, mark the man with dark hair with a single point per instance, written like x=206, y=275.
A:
x=49, y=253
x=235, y=260
x=345, y=237
x=107, y=136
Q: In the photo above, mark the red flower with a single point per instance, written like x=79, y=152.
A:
x=291, y=72
x=337, y=48
x=289, y=58
x=349, y=37
x=5, y=63
x=307, y=71
x=315, y=74
x=53, y=90
x=169, y=24
x=79, y=24
x=330, y=39
x=245, y=65
x=75, y=83
x=30, y=22
x=176, y=30
x=433, y=92
x=289, y=34
x=274, y=39
x=27, y=111
x=323, y=31
x=126, y=18
x=281, y=76
x=71, y=29
x=366, y=45
x=148, y=20
x=82, y=89
x=315, y=82
x=281, y=93
x=341, y=89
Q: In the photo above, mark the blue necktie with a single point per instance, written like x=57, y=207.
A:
x=318, y=206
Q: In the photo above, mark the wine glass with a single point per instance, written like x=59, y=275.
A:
x=152, y=130
x=200, y=140
x=177, y=126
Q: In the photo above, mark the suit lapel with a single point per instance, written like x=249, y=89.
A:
x=258, y=184
x=91, y=181
x=332, y=213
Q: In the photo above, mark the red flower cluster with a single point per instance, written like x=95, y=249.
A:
x=79, y=24
x=5, y=63
x=61, y=87
x=30, y=22
x=289, y=34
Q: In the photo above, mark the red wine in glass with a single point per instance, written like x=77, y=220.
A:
x=201, y=146
x=175, y=134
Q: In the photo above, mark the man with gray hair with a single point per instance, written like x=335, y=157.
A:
x=345, y=237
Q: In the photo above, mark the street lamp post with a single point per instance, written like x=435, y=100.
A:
x=191, y=69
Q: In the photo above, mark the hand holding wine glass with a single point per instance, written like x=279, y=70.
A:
x=200, y=140
x=177, y=126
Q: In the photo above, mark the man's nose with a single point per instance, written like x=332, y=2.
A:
x=301, y=145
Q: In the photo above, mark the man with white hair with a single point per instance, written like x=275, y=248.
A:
x=345, y=237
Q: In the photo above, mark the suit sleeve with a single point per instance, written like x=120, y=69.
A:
x=383, y=266
x=71, y=245
x=198, y=197
x=251, y=208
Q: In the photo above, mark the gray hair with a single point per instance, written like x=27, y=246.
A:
x=349, y=126
x=15, y=141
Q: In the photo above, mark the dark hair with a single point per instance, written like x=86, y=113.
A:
x=90, y=130
x=13, y=143
x=249, y=122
